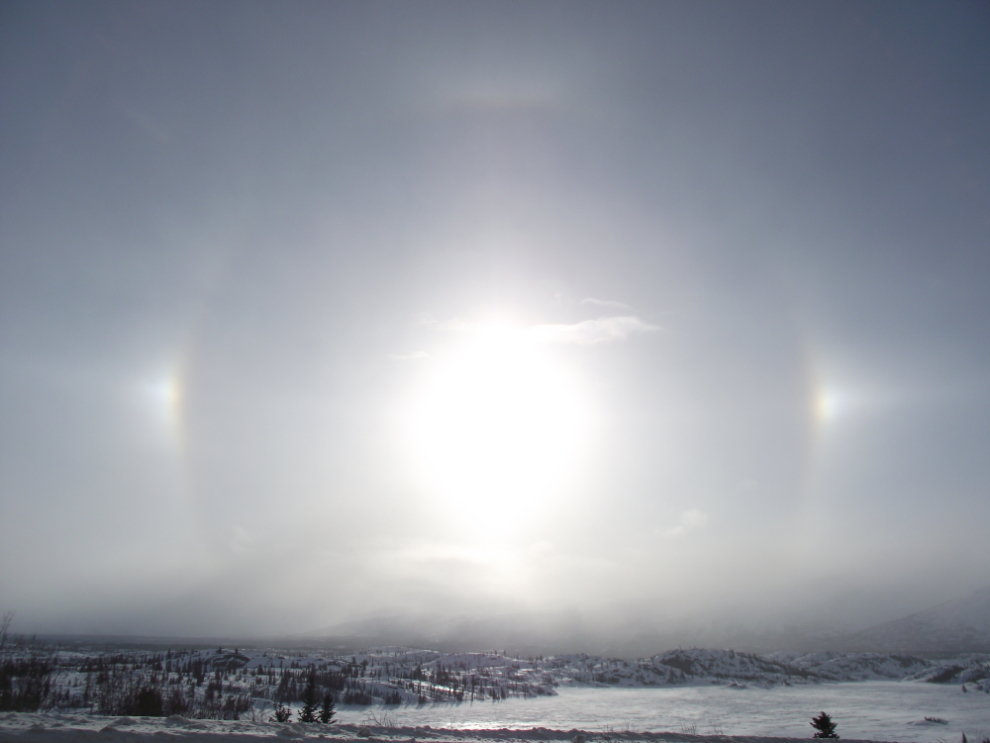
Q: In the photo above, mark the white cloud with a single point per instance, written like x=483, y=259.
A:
x=602, y=330
x=609, y=303
x=690, y=520
x=408, y=356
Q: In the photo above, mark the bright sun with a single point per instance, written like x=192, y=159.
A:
x=497, y=428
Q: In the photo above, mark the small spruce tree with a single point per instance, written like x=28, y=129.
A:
x=326, y=710
x=281, y=713
x=824, y=726
x=308, y=711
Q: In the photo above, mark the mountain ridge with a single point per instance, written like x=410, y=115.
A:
x=961, y=625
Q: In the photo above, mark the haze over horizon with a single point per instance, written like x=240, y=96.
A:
x=629, y=315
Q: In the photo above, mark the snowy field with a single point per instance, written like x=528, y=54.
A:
x=882, y=710
x=871, y=710
x=69, y=695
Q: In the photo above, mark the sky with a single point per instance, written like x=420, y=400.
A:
x=626, y=316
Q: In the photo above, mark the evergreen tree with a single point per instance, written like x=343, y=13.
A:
x=282, y=713
x=326, y=710
x=308, y=711
x=824, y=726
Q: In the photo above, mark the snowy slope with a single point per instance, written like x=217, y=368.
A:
x=676, y=667
x=834, y=666
x=245, y=684
x=703, y=666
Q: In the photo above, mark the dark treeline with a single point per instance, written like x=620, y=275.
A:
x=25, y=683
x=118, y=684
x=225, y=684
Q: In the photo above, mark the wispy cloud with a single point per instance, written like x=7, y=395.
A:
x=607, y=303
x=602, y=330
x=690, y=520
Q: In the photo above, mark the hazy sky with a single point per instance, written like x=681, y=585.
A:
x=312, y=312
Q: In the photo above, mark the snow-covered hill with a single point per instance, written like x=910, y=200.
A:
x=234, y=684
x=675, y=667
x=834, y=666
x=702, y=666
x=252, y=683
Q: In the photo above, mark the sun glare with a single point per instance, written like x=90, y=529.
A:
x=497, y=429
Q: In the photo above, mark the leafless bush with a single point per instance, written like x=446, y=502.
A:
x=382, y=720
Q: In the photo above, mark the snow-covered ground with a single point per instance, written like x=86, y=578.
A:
x=683, y=692
x=30, y=728
x=881, y=710
x=873, y=710
x=85, y=678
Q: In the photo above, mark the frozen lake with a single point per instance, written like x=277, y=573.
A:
x=882, y=710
